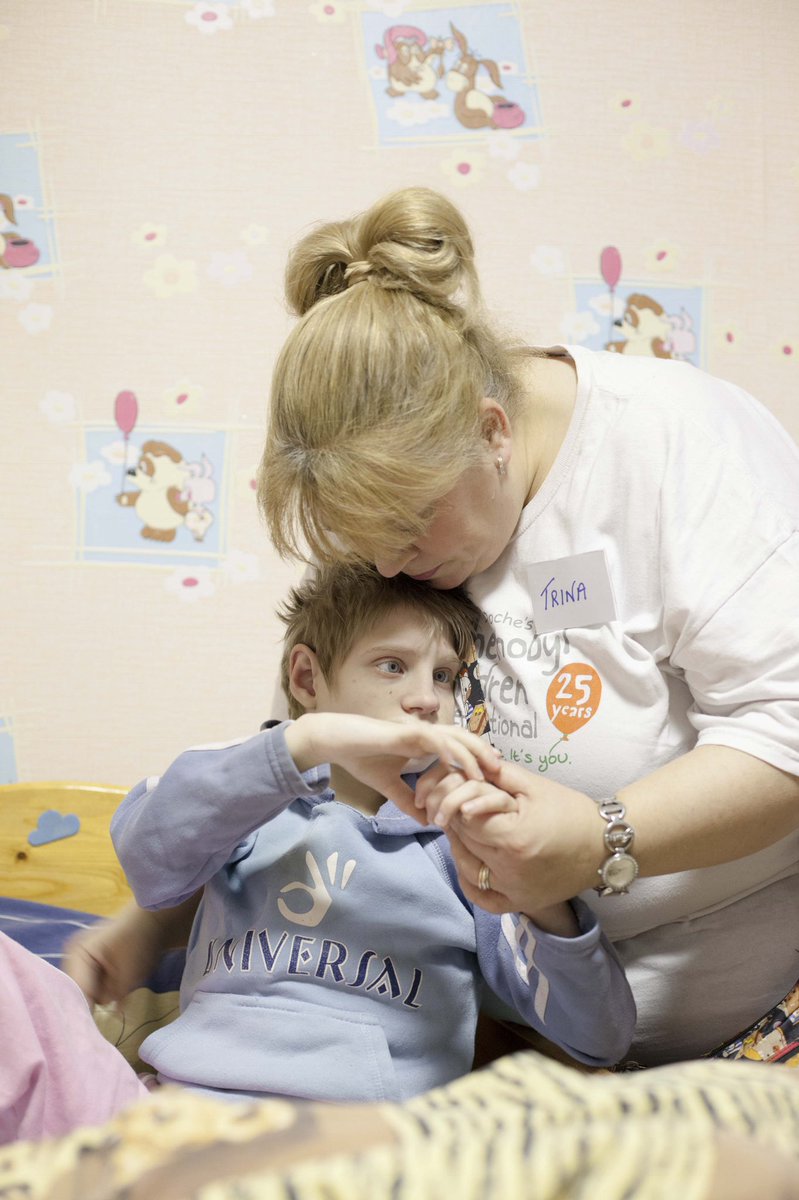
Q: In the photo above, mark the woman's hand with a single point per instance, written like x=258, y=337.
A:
x=695, y=811
x=378, y=752
x=558, y=918
x=546, y=847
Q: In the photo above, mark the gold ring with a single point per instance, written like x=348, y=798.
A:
x=484, y=879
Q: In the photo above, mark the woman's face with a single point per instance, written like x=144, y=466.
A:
x=471, y=527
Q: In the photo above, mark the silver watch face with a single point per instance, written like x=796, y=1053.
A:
x=619, y=871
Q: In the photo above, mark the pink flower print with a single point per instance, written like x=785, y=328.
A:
x=209, y=18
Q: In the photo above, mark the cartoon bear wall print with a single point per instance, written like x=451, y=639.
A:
x=15, y=250
x=652, y=318
x=159, y=497
x=647, y=329
x=644, y=326
x=458, y=73
x=410, y=60
x=166, y=497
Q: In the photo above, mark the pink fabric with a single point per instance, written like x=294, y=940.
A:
x=57, y=1071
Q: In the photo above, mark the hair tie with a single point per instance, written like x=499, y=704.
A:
x=358, y=272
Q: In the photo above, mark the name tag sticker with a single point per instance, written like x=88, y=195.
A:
x=571, y=592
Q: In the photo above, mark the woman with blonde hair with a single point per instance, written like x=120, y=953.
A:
x=628, y=529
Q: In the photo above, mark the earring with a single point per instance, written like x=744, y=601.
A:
x=500, y=465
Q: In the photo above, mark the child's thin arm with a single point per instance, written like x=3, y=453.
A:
x=376, y=752
x=111, y=958
x=173, y=833
x=557, y=918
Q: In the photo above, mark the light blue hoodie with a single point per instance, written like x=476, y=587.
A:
x=334, y=956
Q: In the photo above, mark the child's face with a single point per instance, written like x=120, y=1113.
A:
x=398, y=671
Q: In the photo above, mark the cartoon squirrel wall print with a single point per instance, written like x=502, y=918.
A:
x=15, y=250
x=475, y=108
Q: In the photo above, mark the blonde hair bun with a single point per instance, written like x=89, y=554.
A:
x=375, y=410
x=415, y=240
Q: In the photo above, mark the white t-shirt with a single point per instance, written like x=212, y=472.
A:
x=690, y=489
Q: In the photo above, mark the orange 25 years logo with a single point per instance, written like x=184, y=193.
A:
x=573, y=697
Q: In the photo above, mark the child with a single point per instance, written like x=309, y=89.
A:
x=334, y=955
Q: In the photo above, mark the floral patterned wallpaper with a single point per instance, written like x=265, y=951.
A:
x=632, y=182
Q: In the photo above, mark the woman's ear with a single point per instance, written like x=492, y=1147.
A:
x=304, y=673
x=496, y=429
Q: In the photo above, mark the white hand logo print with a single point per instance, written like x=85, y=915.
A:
x=318, y=890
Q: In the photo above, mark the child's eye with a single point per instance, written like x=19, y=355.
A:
x=445, y=676
x=390, y=666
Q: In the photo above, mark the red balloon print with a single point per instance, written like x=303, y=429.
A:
x=610, y=266
x=126, y=412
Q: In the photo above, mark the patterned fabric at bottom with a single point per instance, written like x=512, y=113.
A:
x=525, y=1128
x=772, y=1039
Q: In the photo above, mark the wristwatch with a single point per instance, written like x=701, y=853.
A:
x=620, y=868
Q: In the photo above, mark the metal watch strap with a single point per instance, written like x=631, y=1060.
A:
x=619, y=869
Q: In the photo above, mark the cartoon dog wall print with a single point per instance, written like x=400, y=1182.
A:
x=166, y=497
x=474, y=107
x=15, y=250
x=411, y=61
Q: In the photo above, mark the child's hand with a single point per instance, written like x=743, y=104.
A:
x=445, y=794
x=113, y=957
x=377, y=752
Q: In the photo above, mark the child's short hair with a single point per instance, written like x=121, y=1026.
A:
x=342, y=601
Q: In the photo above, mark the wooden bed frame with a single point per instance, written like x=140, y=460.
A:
x=80, y=871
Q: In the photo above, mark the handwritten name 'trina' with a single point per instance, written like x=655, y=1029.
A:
x=559, y=597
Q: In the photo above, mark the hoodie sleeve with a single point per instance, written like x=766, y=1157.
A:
x=174, y=832
x=573, y=990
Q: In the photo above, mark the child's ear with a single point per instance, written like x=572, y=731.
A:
x=304, y=671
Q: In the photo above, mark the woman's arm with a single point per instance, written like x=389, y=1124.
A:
x=710, y=806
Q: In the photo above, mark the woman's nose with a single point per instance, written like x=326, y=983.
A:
x=390, y=565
